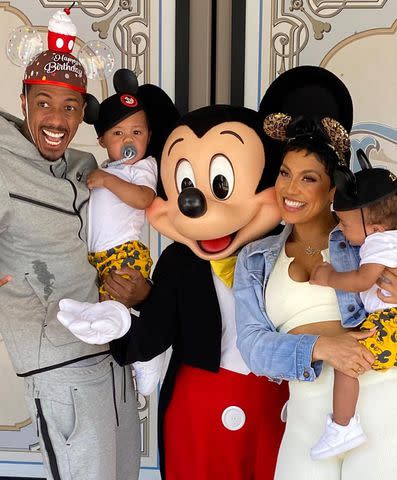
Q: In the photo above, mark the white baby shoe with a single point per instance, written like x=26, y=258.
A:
x=148, y=374
x=338, y=438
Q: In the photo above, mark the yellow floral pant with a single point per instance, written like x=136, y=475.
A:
x=383, y=344
x=132, y=254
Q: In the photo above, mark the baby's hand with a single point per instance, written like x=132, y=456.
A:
x=96, y=178
x=320, y=274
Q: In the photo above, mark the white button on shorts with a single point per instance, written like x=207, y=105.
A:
x=233, y=418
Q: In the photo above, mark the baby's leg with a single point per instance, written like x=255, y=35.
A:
x=343, y=430
x=133, y=254
x=346, y=391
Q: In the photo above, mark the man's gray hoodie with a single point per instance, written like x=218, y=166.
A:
x=43, y=207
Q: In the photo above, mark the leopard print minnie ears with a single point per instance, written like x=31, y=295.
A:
x=276, y=126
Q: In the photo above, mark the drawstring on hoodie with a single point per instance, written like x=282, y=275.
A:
x=124, y=386
x=114, y=395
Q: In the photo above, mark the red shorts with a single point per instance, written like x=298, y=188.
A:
x=223, y=426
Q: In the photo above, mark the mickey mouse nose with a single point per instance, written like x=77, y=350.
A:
x=192, y=203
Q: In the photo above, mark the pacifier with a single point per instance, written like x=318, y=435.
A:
x=128, y=152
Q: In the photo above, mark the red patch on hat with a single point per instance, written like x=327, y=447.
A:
x=128, y=100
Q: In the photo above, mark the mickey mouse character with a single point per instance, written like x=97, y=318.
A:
x=217, y=419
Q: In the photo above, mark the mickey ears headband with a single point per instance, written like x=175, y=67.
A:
x=278, y=126
x=363, y=188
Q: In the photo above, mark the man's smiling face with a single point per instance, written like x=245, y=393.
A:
x=54, y=114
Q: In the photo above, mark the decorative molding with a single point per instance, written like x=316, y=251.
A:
x=294, y=25
x=16, y=427
x=331, y=8
x=8, y=8
x=358, y=36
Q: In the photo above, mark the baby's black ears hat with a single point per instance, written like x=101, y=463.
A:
x=160, y=110
x=363, y=188
x=117, y=107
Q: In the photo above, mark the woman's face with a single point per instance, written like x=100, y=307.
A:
x=303, y=188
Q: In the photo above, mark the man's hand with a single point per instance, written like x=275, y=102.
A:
x=388, y=281
x=320, y=274
x=96, y=179
x=128, y=291
x=94, y=323
x=5, y=280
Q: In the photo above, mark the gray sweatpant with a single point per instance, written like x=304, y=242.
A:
x=77, y=411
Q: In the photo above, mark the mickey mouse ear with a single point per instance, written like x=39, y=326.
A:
x=125, y=81
x=344, y=180
x=275, y=126
x=363, y=159
x=91, y=111
x=345, y=188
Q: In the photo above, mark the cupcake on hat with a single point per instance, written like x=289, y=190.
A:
x=61, y=31
x=57, y=66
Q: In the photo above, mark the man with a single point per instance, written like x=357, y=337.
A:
x=83, y=402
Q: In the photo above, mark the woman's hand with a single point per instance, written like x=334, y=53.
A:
x=388, y=282
x=345, y=353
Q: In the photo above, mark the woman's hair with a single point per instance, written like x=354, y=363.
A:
x=383, y=212
x=324, y=153
x=308, y=135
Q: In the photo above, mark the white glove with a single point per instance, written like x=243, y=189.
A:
x=95, y=323
x=148, y=374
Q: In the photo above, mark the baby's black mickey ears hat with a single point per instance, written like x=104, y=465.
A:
x=117, y=107
x=363, y=188
x=160, y=110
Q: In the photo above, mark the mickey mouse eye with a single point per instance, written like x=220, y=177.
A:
x=221, y=177
x=184, y=176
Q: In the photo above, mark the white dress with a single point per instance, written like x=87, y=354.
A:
x=309, y=404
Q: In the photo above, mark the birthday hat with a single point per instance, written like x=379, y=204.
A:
x=57, y=66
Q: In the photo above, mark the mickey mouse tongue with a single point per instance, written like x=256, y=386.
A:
x=216, y=245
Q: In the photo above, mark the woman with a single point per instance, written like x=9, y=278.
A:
x=287, y=327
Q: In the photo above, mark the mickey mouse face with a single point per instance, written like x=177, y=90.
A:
x=210, y=182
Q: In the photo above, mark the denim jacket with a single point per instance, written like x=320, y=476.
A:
x=283, y=356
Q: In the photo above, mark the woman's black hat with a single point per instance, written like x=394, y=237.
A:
x=306, y=95
x=309, y=91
